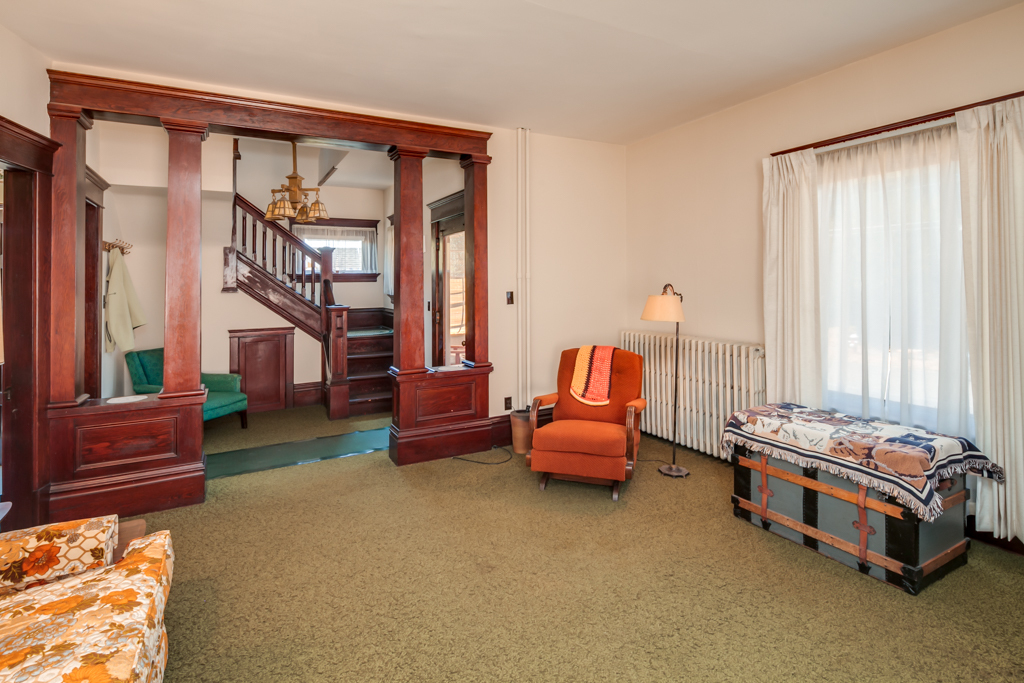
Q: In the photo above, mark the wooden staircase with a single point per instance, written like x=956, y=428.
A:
x=279, y=270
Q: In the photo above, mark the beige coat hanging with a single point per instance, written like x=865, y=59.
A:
x=124, y=312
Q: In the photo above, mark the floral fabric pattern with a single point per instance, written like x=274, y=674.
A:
x=904, y=462
x=31, y=557
x=103, y=625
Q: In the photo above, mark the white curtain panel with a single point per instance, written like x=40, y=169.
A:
x=366, y=236
x=992, y=186
x=792, y=337
x=892, y=288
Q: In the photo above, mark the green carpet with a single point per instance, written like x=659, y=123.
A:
x=282, y=426
x=247, y=460
x=356, y=570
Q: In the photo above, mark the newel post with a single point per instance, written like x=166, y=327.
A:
x=409, y=324
x=476, y=258
x=67, y=126
x=183, y=293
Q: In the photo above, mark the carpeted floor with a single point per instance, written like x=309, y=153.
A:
x=356, y=570
x=282, y=426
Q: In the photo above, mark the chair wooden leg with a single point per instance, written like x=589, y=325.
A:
x=544, y=479
x=245, y=419
x=615, y=491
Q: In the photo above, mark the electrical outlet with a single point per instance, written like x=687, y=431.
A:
x=508, y=403
x=509, y=299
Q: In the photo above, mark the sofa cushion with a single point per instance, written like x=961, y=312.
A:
x=582, y=436
x=100, y=625
x=223, y=403
x=49, y=552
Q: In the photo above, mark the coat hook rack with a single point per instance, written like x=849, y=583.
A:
x=117, y=244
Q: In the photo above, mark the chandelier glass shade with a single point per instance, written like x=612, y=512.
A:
x=292, y=200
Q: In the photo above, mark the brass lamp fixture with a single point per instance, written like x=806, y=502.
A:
x=292, y=200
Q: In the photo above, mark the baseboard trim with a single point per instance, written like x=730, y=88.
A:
x=501, y=426
x=308, y=394
x=1014, y=545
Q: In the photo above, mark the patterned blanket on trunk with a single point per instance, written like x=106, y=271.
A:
x=904, y=462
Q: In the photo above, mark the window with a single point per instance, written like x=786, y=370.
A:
x=355, y=248
x=894, y=343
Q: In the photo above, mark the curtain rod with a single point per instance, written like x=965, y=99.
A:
x=896, y=126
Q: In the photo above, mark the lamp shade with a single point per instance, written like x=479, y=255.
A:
x=663, y=308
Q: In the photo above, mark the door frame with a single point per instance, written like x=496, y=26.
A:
x=447, y=216
x=27, y=160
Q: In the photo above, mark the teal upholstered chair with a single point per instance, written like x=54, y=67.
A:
x=224, y=397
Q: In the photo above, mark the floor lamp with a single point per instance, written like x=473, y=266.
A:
x=668, y=307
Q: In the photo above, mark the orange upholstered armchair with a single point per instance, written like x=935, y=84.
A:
x=591, y=444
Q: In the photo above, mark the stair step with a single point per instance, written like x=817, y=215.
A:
x=370, y=397
x=372, y=354
x=368, y=375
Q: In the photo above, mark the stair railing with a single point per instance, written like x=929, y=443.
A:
x=289, y=259
x=334, y=323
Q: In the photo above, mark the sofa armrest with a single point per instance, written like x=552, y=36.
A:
x=53, y=551
x=222, y=382
x=147, y=389
x=538, y=403
x=633, y=409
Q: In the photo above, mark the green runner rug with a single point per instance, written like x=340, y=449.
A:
x=248, y=460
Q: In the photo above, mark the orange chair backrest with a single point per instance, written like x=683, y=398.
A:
x=627, y=382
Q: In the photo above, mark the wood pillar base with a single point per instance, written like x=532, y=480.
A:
x=439, y=413
x=336, y=400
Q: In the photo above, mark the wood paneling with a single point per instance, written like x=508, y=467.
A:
x=476, y=258
x=67, y=126
x=93, y=332
x=440, y=413
x=308, y=394
x=25, y=291
x=408, y=310
x=183, y=299
x=231, y=115
x=265, y=358
x=126, y=459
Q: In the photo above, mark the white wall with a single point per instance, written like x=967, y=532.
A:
x=25, y=88
x=578, y=246
x=695, y=190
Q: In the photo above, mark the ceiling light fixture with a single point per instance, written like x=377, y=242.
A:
x=292, y=200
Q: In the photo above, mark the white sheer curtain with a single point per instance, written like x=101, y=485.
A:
x=894, y=340
x=792, y=338
x=992, y=172
x=340, y=237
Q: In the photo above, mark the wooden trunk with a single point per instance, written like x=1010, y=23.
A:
x=822, y=512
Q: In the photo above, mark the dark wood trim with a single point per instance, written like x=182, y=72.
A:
x=900, y=124
x=116, y=99
x=264, y=288
x=356, y=277
x=93, y=333
x=183, y=301
x=409, y=259
x=1013, y=545
x=67, y=126
x=337, y=223
x=476, y=259
x=265, y=391
x=96, y=179
x=24, y=149
x=308, y=394
x=448, y=206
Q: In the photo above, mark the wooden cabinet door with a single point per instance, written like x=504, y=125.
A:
x=265, y=360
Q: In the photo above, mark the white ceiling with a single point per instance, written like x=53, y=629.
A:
x=612, y=70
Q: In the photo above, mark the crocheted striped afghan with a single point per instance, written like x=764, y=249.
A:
x=592, y=376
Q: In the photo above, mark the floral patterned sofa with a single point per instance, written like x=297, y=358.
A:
x=69, y=613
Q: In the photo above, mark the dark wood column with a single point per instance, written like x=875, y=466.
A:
x=409, y=322
x=476, y=259
x=67, y=127
x=182, y=320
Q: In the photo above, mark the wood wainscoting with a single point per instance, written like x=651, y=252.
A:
x=265, y=358
x=126, y=458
